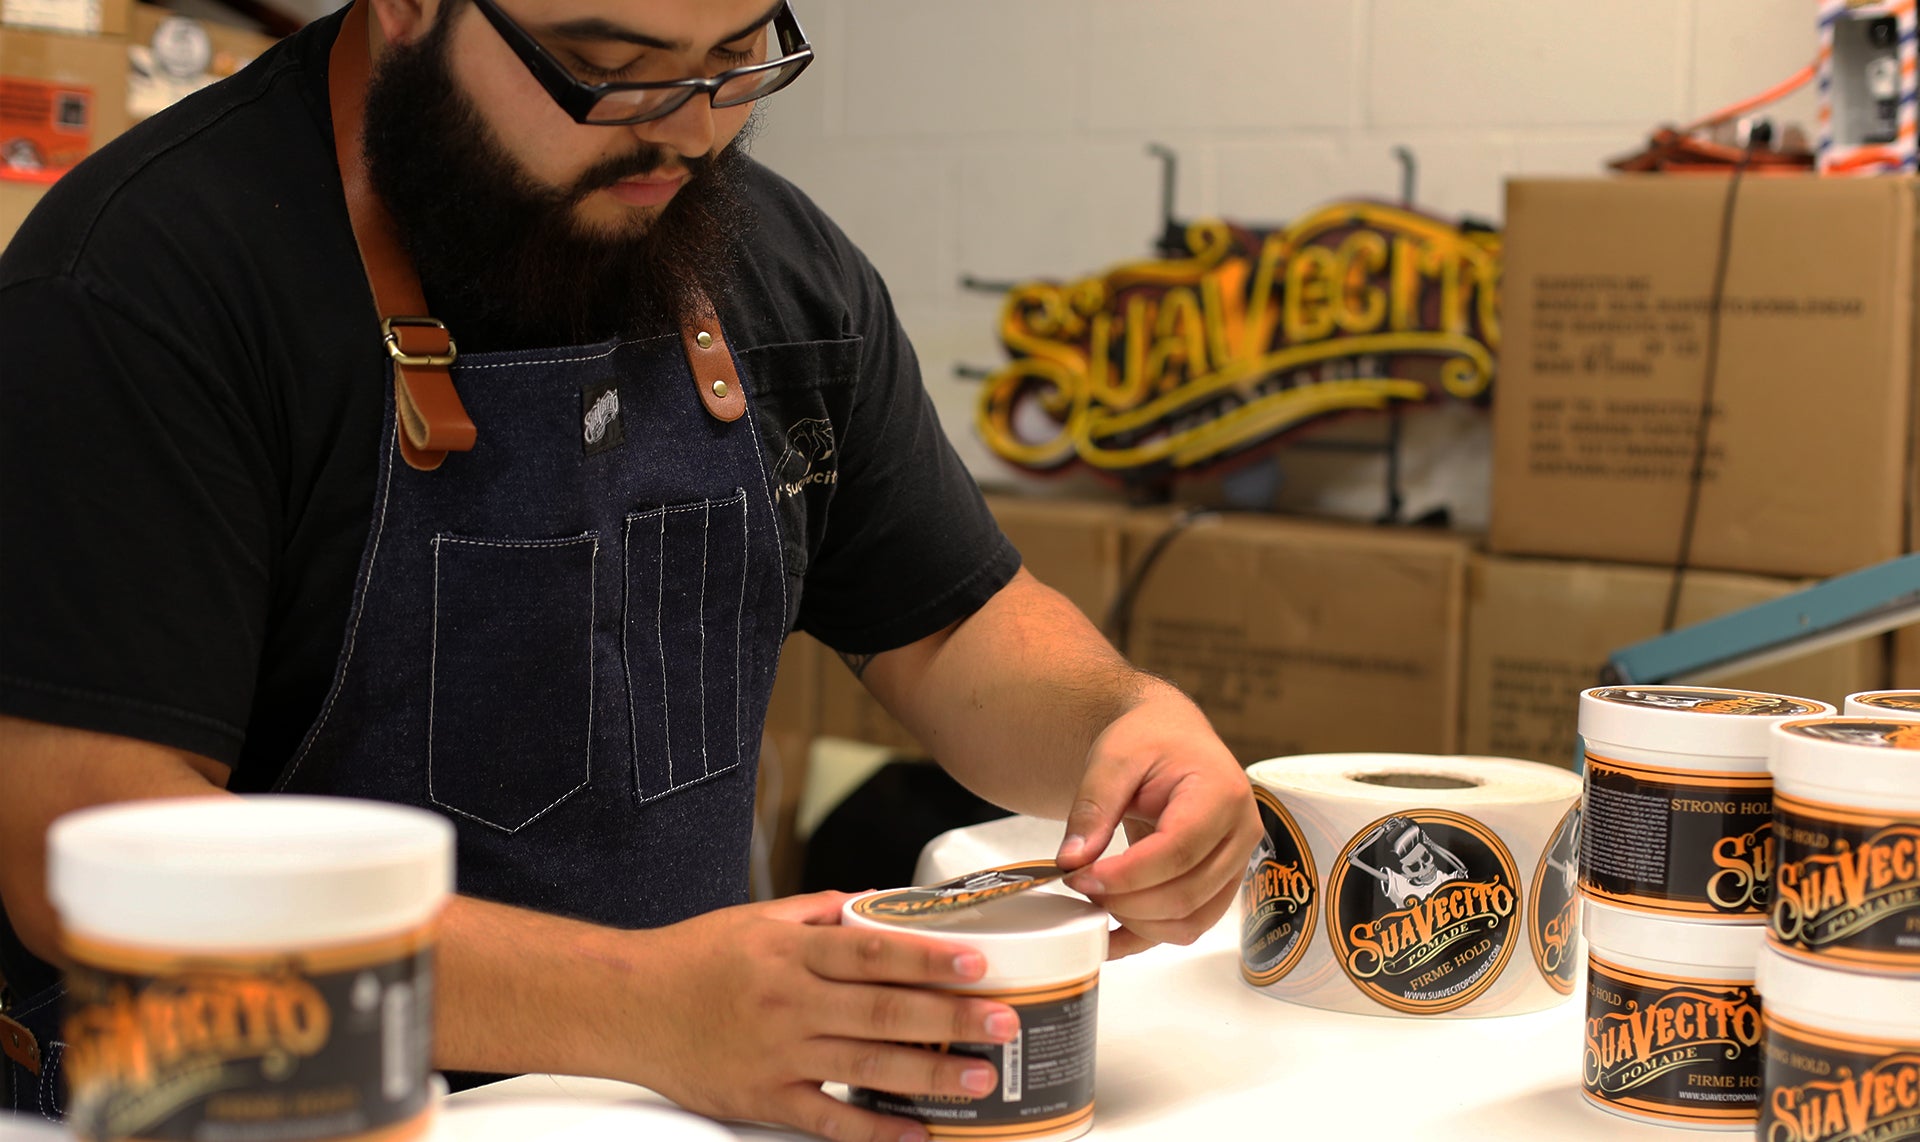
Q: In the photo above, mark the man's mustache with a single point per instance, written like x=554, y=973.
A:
x=649, y=159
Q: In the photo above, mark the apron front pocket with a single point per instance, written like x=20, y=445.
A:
x=686, y=568
x=510, y=727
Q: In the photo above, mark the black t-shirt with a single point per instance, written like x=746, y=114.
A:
x=191, y=381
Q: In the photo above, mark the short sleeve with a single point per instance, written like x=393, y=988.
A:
x=909, y=546
x=135, y=522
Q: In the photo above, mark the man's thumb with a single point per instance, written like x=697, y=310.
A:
x=1096, y=813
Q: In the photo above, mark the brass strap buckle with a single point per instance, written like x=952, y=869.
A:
x=416, y=360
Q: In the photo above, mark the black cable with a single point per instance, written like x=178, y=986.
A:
x=1119, y=624
x=1696, y=478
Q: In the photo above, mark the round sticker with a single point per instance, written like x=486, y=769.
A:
x=1707, y=701
x=1421, y=910
x=1279, y=890
x=1859, y=731
x=960, y=892
x=1553, y=911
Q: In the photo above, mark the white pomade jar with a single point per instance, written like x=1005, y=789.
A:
x=1043, y=952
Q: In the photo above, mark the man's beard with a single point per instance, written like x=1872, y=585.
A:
x=501, y=256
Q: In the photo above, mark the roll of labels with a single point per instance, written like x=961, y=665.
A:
x=1404, y=884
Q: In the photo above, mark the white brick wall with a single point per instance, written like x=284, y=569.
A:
x=1006, y=138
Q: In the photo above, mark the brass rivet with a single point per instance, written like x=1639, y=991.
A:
x=704, y=340
x=719, y=387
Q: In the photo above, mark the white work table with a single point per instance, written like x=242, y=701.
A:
x=1186, y=1051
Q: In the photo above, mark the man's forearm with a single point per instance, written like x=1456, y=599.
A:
x=520, y=991
x=1011, y=699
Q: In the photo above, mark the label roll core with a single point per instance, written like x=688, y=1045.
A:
x=1412, y=885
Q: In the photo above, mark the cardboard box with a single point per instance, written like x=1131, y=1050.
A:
x=74, y=17
x=1605, y=325
x=1539, y=631
x=1903, y=672
x=1300, y=637
x=1072, y=546
x=170, y=56
x=61, y=98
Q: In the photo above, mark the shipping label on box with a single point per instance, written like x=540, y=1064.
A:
x=1606, y=319
x=74, y=17
x=1540, y=630
x=1300, y=637
x=61, y=97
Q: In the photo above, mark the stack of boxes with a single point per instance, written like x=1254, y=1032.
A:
x=1809, y=472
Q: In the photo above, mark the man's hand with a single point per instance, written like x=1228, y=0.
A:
x=1189, y=814
x=749, y=1009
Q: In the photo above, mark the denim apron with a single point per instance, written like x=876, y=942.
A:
x=567, y=653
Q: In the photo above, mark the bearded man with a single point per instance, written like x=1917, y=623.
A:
x=403, y=418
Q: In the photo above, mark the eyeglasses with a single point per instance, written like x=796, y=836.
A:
x=620, y=104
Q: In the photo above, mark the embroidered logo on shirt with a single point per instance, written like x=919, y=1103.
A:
x=809, y=448
x=600, y=427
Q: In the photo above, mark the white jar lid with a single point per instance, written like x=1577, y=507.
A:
x=1883, y=704
x=1728, y=947
x=1868, y=757
x=1028, y=939
x=1865, y=1004
x=248, y=873
x=1698, y=720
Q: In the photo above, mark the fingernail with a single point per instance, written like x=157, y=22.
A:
x=1071, y=847
x=1003, y=1025
x=969, y=964
x=913, y=1134
x=1086, y=885
x=979, y=1080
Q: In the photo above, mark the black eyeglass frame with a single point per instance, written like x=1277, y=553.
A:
x=578, y=98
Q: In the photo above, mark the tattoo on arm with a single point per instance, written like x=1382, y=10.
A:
x=857, y=663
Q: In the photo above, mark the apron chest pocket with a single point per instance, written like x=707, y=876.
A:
x=511, y=722
x=686, y=581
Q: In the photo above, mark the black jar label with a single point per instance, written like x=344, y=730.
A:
x=1677, y=842
x=1279, y=896
x=1822, y=1086
x=1672, y=1049
x=1423, y=910
x=1046, y=1072
x=331, y=1045
x=1848, y=889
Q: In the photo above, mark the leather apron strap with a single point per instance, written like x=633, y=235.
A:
x=431, y=418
